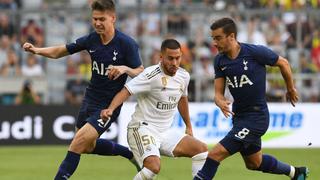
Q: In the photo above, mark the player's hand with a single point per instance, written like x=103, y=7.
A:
x=29, y=48
x=116, y=71
x=224, y=105
x=189, y=131
x=292, y=96
x=106, y=114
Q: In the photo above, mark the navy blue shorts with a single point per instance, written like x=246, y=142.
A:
x=92, y=115
x=245, y=135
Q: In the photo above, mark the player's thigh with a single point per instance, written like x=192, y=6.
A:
x=143, y=142
x=170, y=140
x=189, y=146
x=84, y=139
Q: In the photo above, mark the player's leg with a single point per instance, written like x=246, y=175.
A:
x=225, y=148
x=144, y=144
x=81, y=143
x=255, y=160
x=185, y=146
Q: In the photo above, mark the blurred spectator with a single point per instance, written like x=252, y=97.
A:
x=306, y=32
x=252, y=34
x=27, y=95
x=5, y=44
x=155, y=56
x=129, y=24
x=275, y=32
x=32, y=67
x=6, y=27
x=72, y=67
x=8, y=4
x=85, y=65
x=310, y=91
x=75, y=91
x=32, y=33
x=203, y=69
x=11, y=67
x=151, y=21
x=177, y=20
x=315, y=51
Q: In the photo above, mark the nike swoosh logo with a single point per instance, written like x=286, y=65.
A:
x=223, y=68
x=91, y=51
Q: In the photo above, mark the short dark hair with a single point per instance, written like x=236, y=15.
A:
x=103, y=5
x=227, y=24
x=170, y=44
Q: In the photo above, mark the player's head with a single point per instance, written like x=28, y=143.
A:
x=223, y=33
x=103, y=15
x=170, y=56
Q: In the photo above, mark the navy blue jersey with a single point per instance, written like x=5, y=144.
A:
x=246, y=76
x=121, y=50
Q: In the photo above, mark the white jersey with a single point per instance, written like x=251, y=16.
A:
x=158, y=95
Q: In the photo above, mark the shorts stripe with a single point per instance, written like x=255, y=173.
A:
x=138, y=141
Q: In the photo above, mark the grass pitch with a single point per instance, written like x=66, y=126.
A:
x=42, y=162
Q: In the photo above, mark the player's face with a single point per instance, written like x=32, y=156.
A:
x=103, y=21
x=170, y=61
x=221, y=41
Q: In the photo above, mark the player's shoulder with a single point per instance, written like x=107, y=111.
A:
x=152, y=71
x=124, y=38
x=252, y=47
x=182, y=72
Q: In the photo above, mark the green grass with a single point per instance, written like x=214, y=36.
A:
x=41, y=163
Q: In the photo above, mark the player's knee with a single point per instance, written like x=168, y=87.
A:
x=202, y=148
x=252, y=165
x=152, y=163
x=81, y=144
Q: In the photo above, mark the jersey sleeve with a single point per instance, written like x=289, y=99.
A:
x=186, y=84
x=217, y=69
x=139, y=84
x=265, y=55
x=77, y=46
x=133, y=58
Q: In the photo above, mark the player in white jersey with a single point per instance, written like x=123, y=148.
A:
x=161, y=90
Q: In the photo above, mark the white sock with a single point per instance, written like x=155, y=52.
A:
x=144, y=174
x=197, y=162
x=292, y=171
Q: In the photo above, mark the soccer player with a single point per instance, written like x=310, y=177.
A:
x=114, y=56
x=160, y=89
x=242, y=68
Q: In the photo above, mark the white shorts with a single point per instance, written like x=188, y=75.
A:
x=144, y=140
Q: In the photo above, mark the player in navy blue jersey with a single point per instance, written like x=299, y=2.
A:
x=241, y=67
x=114, y=56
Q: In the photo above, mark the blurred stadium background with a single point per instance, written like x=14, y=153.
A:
x=29, y=125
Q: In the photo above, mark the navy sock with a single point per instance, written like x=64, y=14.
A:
x=208, y=170
x=68, y=166
x=270, y=164
x=108, y=148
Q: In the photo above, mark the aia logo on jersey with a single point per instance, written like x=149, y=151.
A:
x=115, y=53
x=235, y=82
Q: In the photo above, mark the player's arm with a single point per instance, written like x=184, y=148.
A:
x=219, y=99
x=117, y=71
x=53, y=52
x=292, y=94
x=183, y=108
x=121, y=96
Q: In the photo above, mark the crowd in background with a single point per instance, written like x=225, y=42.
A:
x=289, y=27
